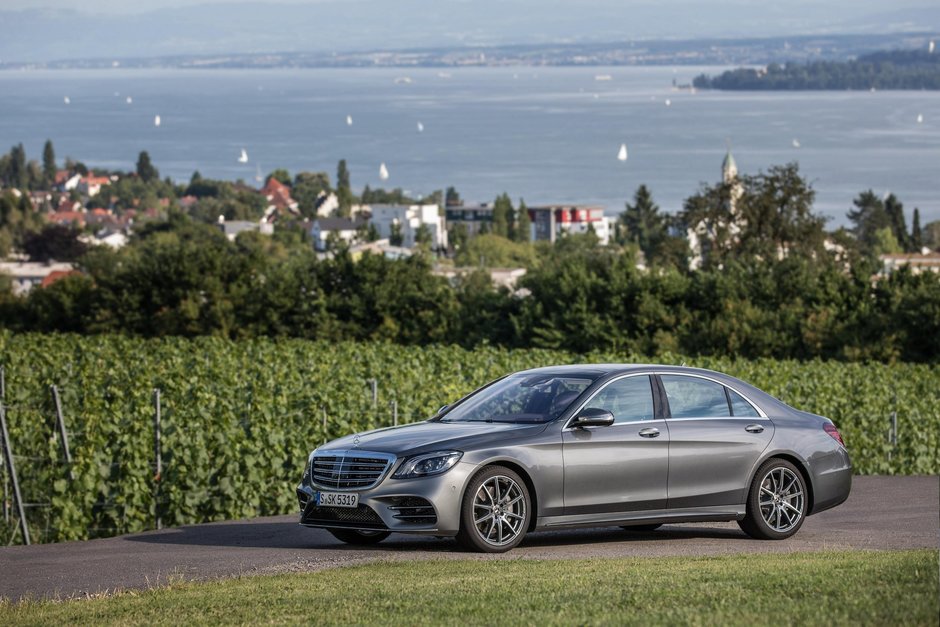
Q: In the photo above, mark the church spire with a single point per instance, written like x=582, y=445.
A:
x=729, y=169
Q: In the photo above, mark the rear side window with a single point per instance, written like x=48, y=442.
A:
x=691, y=397
x=741, y=407
x=629, y=399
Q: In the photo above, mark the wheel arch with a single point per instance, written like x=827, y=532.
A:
x=523, y=474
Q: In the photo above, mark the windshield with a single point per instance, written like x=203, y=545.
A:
x=521, y=398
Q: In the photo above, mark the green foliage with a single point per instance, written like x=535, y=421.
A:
x=145, y=169
x=523, y=224
x=344, y=189
x=892, y=69
x=494, y=251
x=280, y=175
x=239, y=418
x=48, y=163
x=54, y=243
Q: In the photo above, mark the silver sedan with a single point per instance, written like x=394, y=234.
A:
x=634, y=446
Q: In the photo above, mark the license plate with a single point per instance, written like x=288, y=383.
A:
x=337, y=499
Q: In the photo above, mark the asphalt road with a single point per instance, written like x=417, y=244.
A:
x=882, y=513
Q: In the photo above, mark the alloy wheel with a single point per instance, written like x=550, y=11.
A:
x=782, y=500
x=499, y=510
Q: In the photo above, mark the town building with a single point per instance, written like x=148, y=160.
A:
x=924, y=261
x=26, y=275
x=232, y=228
x=406, y=221
x=548, y=222
x=326, y=230
x=280, y=202
x=91, y=185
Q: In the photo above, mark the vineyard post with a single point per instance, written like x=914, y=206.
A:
x=63, y=434
x=158, y=475
x=323, y=409
x=11, y=469
x=375, y=392
x=6, y=477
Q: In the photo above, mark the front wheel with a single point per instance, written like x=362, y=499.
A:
x=355, y=536
x=776, y=503
x=496, y=511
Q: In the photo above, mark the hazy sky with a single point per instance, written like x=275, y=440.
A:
x=140, y=6
x=41, y=30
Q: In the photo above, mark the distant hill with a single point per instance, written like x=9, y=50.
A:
x=894, y=69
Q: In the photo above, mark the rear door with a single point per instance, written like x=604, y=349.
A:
x=622, y=467
x=716, y=437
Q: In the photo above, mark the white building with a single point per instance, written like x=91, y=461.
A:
x=232, y=228
x=28, y=274
x=344, y=229
x=409, y=218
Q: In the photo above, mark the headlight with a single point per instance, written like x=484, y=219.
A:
x=308, y=469
x=427, y=465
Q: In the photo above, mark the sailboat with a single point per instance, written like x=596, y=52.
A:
x=348, y=120
x=243, y=158
x=931, y=46
x=129, y=100
x=622, y=155
x=796, y=143
x=920, y=118
x=383, y=172
x=668, y=102
x=420, y=127
x=156, y=120
x=258, y=176
x=67, y=100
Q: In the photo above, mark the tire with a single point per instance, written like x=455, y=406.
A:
x=354, y=536
x=642, y=527
x=776, y=501
x=495, y=512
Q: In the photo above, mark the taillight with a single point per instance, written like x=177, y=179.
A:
x=833, y=433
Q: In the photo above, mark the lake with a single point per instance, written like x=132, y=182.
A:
x=550, y=135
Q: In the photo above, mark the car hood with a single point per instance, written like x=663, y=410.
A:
x=424, y=437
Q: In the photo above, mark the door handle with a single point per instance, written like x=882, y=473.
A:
x=754, y=429
x=649, y=432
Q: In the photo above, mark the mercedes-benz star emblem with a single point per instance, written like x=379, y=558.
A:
x=356, y=441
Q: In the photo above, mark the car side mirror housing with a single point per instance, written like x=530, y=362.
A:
x=442, y=410
x=594, y=417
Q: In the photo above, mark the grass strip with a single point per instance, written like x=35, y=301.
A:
x=846, y=587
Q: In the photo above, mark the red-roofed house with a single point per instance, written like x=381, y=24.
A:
x=279, y=200
x=66, y=181
x=68, y=205
x=91, y=185
x=57, y=275
x=67, y=218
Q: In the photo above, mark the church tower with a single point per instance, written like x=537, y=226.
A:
x=729, y=169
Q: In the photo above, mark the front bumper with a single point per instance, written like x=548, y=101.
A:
x=429, y=505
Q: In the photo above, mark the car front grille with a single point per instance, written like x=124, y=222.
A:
x=349, y=471
x=362, y=517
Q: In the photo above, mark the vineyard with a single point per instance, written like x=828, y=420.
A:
x=238, y=418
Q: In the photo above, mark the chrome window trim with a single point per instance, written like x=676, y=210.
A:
x=389, y=458
x=761, y=414
x=568, y=426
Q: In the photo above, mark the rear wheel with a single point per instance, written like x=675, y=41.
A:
x=776, y=503
x=642, y=527
x=356, y=536
x=496, y=511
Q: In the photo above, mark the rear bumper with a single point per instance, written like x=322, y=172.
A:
x=832, y=479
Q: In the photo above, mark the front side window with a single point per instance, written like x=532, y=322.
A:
x=629, y=399
x=521, y=398
x=691, y=397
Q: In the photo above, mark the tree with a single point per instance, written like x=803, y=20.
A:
x=867, y=218
x=145, y=170
x=280, y=175
x=502, y=208
x=917, y=236
x=48, y=163
x=423, y=236
x=395, y=237
x=343, y=189
x=452, y=198
x=523, y=224
x=54, y=242
x=642, y=223
x=895, y=211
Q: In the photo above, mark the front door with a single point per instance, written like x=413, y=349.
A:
x=622, y=467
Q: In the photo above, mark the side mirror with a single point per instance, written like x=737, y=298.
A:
x=593, y=417
x=441, y=410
